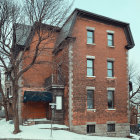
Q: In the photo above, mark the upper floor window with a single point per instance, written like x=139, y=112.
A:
x=8, y=92
x=110, y=69
x=110, y=39
x=90, y=100
x=110, y=99
x=90, y=36
x=90, y=67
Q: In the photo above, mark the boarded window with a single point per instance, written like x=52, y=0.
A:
x=58, y=102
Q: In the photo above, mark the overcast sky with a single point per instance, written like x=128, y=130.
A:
x=124, y=10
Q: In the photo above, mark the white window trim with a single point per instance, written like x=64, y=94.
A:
x=111, y=46
x=90, y=88
x=91, y=44
x=111, y=88
x=90, y=57
x=90, y=28
x=111, y=59
x=90, y=123
x=91, y=109
x=109, y=31
x=92, y=76
x=111, y=78
x=111, y=109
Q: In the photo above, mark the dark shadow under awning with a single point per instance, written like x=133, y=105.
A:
x=36, y=96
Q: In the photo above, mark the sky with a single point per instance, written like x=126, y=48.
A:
x=123, y=10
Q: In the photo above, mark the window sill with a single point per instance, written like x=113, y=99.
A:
x=111, y=109
x=111, y=46
x=93, y=44
x=94, y=110
x=111, y=77
x=91, y=76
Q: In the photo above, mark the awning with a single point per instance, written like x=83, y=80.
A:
x=36, y=96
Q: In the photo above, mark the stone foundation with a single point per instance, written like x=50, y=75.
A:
x=121, y=130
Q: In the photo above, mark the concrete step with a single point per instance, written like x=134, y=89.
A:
x=43, y=122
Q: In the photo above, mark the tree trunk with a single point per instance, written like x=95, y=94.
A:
x=15, y=110
x=6, y=112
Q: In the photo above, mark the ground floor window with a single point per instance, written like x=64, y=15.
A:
x=58, y=102
x=90, y=128
x=111, y=127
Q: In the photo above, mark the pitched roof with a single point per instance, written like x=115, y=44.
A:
x=25, y=33
x=66, y=30
x=22, y=34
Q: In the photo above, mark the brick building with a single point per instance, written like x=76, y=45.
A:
x=88, y=79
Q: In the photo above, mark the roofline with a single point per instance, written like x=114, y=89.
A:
x=106, y=20
x=110, y=21
x=103, y=18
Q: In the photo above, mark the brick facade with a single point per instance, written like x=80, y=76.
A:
x=68, y=75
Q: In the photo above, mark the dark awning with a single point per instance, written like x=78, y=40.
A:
x=36, y=96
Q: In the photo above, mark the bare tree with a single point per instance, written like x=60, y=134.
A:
x=134, y=78
x=13, y=31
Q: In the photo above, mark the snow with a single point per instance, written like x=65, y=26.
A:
x=42, y=131
x=43, y=119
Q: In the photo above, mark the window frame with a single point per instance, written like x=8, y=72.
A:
x=112, y=39
x=112, y=69
x=92, y=31
x=89, y=129
x=112, y=125
x=90, y=99
x=113, y=101
x=90, y=67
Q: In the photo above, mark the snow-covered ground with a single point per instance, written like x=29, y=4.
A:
x=40, y=132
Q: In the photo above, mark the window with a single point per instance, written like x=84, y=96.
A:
x=90, y=99
x=90, y=128
x=110, y=99
x=90, y=36
x=110, y=39
x=8, y=92
x=58, y=102
x=90, y=71
x=111, y=127
x=110, y=71
x=8, y=77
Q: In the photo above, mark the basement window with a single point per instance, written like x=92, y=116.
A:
x=90, y=128
x=110, y=127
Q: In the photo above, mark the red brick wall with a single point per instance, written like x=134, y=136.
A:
x=101, y=83
x=62, y=57
x=34, y=78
